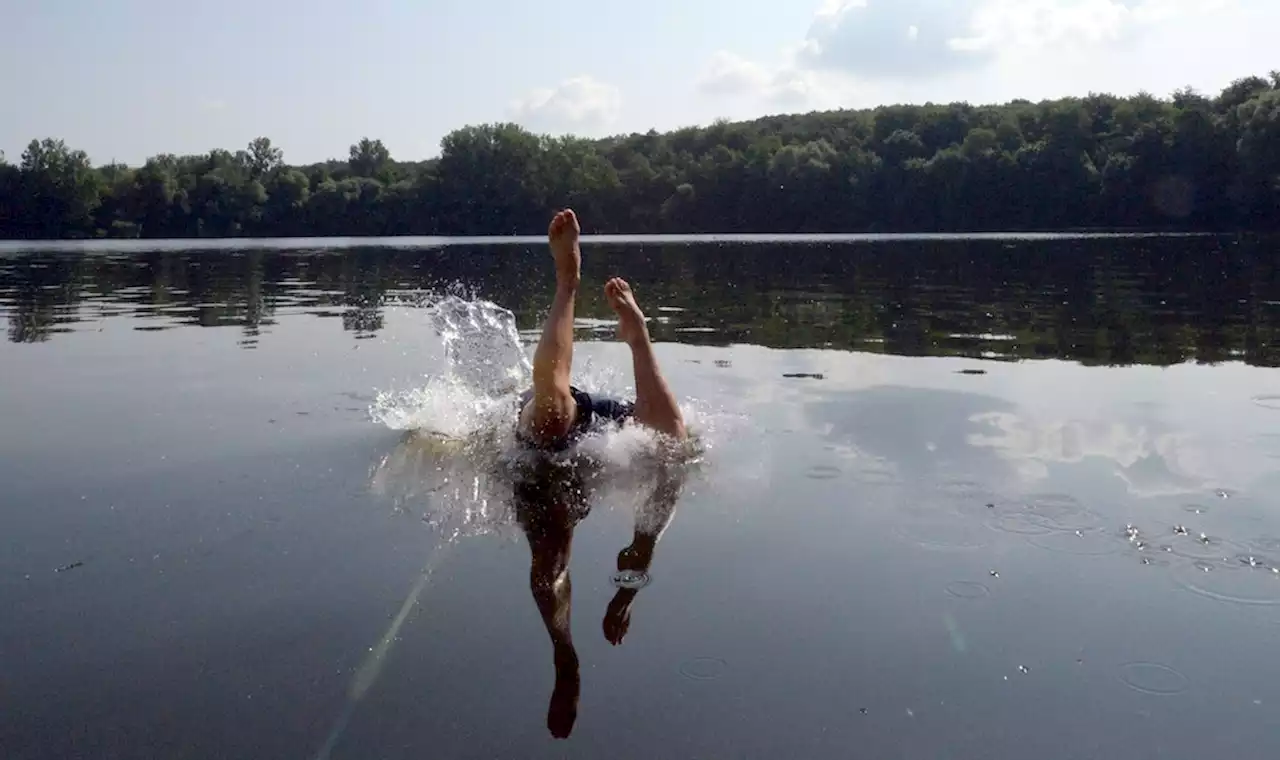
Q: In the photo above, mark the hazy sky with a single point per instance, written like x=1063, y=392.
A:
x=128, y=79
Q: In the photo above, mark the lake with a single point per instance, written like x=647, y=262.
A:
x=956, y=498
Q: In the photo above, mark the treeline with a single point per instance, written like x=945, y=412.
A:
x=1188, y=162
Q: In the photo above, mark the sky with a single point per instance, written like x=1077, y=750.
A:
x=128, y=79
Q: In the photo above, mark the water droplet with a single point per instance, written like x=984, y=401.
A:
x=1023, y=669
x=704, y=668
x=1203, y=539
x=862, y=710
x=995, y=574
x=1180, y=530
x=1153, y=678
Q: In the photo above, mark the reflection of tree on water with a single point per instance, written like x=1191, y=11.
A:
x=477, y=487
x=1112, y=301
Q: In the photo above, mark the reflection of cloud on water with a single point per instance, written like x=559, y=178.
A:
x=915, y=431
x=1151, y=462
x=926, y=434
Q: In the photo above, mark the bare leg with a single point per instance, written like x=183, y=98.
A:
x=655, y=405
x=549, y=417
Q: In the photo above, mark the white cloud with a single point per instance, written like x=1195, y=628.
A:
x=864, y=52
x=888, y=38
x=865, y=38
x=730, y=74
x=791, y=87
x=581, y=104
x=1070, y=23
x=785, y=87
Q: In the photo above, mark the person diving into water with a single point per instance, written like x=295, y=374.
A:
x=550, y=500
x=554, y=414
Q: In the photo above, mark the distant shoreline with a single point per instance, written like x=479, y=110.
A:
x=428, y=242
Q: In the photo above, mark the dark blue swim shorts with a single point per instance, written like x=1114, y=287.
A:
x=593, y=412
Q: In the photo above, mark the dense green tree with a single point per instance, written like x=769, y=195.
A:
x=370, y=158
x=1187, y=162
x=264, y=158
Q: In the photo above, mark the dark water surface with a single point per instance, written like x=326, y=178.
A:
x=961, y=499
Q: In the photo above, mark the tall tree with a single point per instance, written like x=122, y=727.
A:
x=370, y=158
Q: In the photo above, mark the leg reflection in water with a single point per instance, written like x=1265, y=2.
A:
x=651, y=522
x=549, y=503
x=550, y=500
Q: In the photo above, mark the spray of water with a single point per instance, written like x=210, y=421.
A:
x=458, y=457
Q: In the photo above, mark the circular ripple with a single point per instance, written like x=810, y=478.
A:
x=967, y=497
x=1270, y=401
x=704, y=668
x=1086, y=543
x=963, y=489
x=1020, y=523
x=968, y=590
x=633, y=580
x=1153, y=678
x=1238, y=584
x=941, y=535
x=1217, y=550
x=1063, y=512
x=875, y=476
x=1268, y=544
x=823, y=472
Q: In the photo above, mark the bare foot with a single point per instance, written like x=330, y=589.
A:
x=617, y=617
x=631, y=325
x=563, y=237
x=562, y=712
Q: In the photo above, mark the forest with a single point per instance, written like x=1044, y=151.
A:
x=1190, y=162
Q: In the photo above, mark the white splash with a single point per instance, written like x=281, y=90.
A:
x=458, y=459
